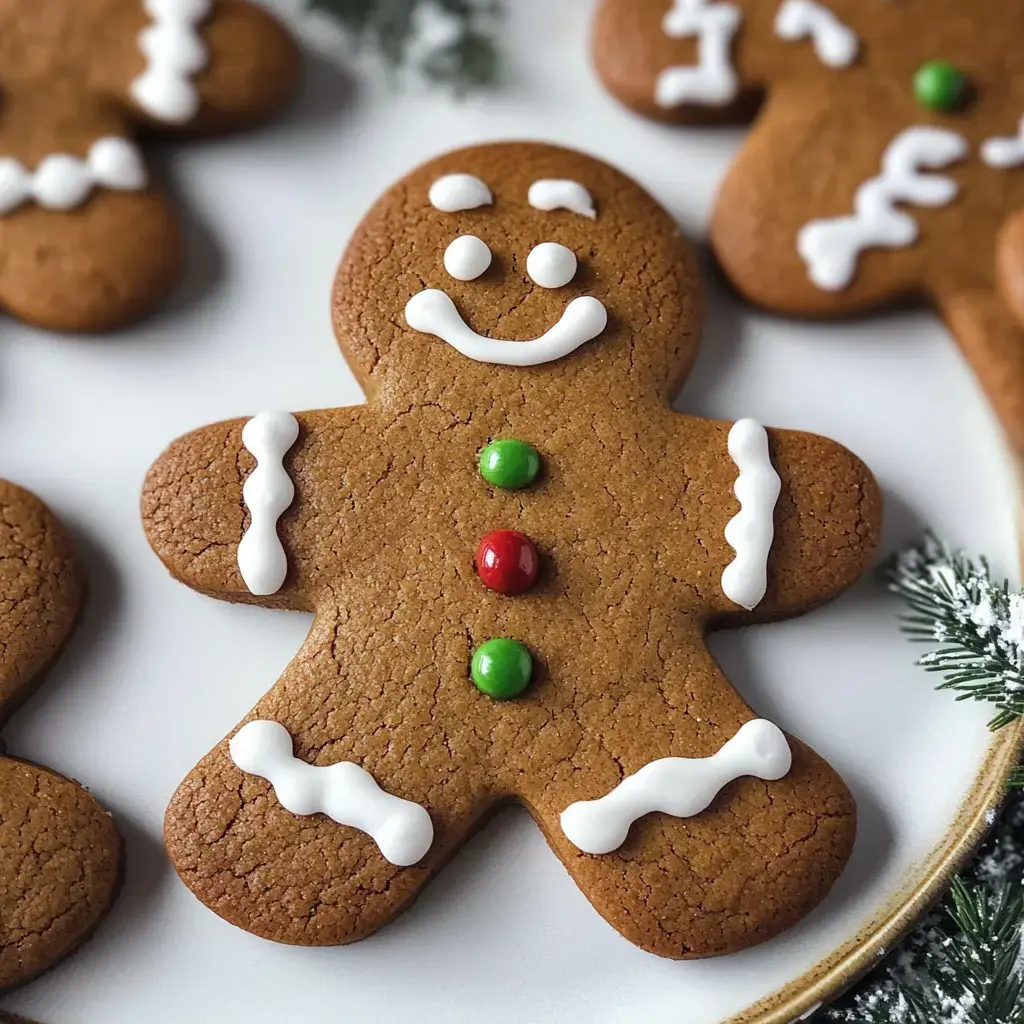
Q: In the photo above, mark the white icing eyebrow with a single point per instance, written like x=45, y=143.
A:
x=561, y=194
x=454, y=192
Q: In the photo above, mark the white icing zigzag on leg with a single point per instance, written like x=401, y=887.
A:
x=832, y=247
x=680, y=786
x=344, y=792
x=713, y=81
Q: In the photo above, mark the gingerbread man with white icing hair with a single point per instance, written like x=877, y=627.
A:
x=514, y=552
x=89, y=241
x=886, y=155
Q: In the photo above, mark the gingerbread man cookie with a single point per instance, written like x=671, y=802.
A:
x=514, y=553
x=89, y=241
x=59, y=850
x=887, y=153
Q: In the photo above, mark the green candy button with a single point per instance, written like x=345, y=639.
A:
x=509, y=464
x=501, y=668
x=939, y=86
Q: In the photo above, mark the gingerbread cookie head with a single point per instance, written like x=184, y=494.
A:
x=88, y=240
x=512, y=269
x=59, y=851
x=886, y=156
x=514, y=551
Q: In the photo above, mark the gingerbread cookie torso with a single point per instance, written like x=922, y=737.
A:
x=886, y=157
x=514, y=552
x=89, y=241
x=59, y=851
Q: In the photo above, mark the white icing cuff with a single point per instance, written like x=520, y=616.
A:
x=1004, y=152
x=62, y=182
x=680, y=786
x=267, y=493
x=344, y=792
x=751, y=531
x=174, y=51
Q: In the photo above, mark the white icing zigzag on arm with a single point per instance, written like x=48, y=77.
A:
x=680, y=786
x=1004, y=152
x=174, y=52
x=751, y=531
x=713, y=81
x=267, y=493
x=62, y=181
x=344, y=792
x=835, y=44
x=831, y=247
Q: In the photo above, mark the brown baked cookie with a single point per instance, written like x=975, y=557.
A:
x=59, y=850
x=514, y=553
x=88, y=239
x=887, y=154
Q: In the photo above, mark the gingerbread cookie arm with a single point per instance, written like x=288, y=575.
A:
x=199, y=66
x=60, y=860
x=40, y=591
x=227, y=508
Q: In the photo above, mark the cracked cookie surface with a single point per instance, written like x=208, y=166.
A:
x=59, y=850
x=628, y=513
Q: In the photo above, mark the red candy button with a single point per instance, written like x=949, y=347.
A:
x=507, y=562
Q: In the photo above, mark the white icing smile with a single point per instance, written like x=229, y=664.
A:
x=433, y=312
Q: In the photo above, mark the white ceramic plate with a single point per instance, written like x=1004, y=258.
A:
x=157, y=674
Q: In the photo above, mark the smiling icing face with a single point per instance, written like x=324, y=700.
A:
x=510, y=256
x=549, y=265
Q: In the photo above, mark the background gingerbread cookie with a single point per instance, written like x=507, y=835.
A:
x=88, y=239
x=886, y=157
x=514, y=552
x=59, y=850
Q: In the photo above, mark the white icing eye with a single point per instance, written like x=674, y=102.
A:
x=551, y=265
x=467, y=258
x=455, y=192
x=561, y=194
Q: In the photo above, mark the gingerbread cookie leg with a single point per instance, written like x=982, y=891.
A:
x=723, y=834
x=307, y=832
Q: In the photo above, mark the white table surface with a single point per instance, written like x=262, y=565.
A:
x=157, y=674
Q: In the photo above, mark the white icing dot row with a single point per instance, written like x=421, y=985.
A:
x=62, y=181
x=174, y=52
x=454, y=192
x=268, y=491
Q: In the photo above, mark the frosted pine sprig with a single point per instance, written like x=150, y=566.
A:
x=977, y=623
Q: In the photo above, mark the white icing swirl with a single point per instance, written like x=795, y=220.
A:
x=831, y=247
x=680, y=786
x=267, y=493
x=1004, y=152
x=751, y=531
x=62, y=182
x=343, y=791
x=713, y=81
x=835, y=44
